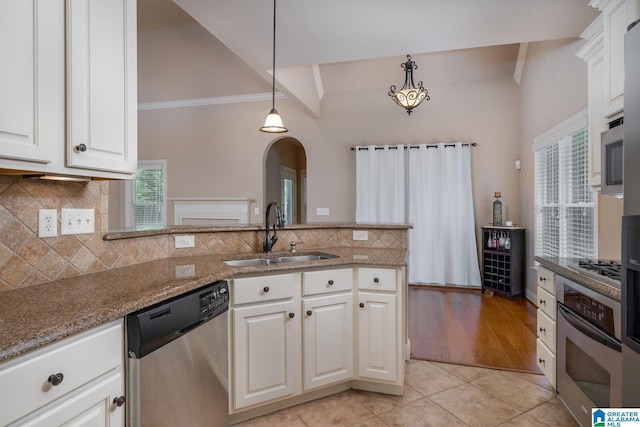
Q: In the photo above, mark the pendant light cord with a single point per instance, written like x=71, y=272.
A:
x=273, y=69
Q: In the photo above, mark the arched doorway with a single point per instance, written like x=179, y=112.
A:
x=286, y=178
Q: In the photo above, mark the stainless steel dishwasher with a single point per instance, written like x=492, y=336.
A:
x=178, y=359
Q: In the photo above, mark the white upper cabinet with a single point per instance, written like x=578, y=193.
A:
x=31, y=115
x=68, y=101
x=617, y=15
x=593, y=54
x=101, y=85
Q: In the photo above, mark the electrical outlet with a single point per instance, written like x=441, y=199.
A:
x=186, y=270
x=47, y=223
x=322, y=211
x=77, y=221
x=360, y=235
x=184, y=242
x=256, y=211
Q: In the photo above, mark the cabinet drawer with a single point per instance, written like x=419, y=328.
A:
x=546, y=361
x=547, y=279
x=321, y=282
x=262, y=288
x=547, y=303
x=377, y=279
x=546, y=330
x=24, y=384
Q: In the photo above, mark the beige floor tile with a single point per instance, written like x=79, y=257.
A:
x=474, y=406
x=514, y=390
x=378, y=403
x=342, y=409
x=553, y=413
x=427, y=378
x=421, y=413
x=538, y=379
x=370, y=422
x=466, y=373
x=286, y=417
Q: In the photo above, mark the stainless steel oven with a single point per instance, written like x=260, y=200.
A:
x=589, y=369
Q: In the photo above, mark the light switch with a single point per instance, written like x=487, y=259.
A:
x=77, y=221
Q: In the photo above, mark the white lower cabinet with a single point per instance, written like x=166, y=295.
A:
x=76, y=381
x=93, y=406
x=546, y=324
x=299, y=332
x=265, y=340
x=377, y=344
x=379, y=325
x=328, y=340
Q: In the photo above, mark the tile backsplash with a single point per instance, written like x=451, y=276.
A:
x=26, y=259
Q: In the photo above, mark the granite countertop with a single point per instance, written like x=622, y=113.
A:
x=562, y=266
x=34, y=316
x=178, y=229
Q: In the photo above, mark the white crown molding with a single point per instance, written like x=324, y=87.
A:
x=199, y=102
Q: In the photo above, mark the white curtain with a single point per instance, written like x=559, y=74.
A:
x=442, y=243
x=380, y=184
x=434, y=183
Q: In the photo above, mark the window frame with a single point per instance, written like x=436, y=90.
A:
x=129, y=191
x=555, y=135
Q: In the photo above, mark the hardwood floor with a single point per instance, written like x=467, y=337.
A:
x=470, y=328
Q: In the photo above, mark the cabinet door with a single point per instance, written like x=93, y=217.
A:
x=595, y=78
x=90, y=406
x=618, y=14
x=328, y=340
x=31, y=83
x=265, y=344
x=101, y=85
x=546, y=360
x=377, y=336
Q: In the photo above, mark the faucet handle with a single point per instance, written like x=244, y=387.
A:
x=292, y=246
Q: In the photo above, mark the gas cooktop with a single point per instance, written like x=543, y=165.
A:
x=600, y=268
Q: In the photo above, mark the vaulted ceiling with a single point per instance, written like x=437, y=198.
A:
x=333, y=45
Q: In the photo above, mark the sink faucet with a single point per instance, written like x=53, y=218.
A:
x=269, y=241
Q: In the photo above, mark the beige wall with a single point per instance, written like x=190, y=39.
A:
x=217, y=151
x=554, y=87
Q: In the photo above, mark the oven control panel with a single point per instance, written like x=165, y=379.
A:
x=598, y=309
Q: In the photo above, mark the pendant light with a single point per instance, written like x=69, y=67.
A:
x=409, y=97
x=274, y=124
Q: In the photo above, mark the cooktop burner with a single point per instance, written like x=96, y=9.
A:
x=609, y=269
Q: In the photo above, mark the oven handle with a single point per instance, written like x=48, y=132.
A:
x=589, y=330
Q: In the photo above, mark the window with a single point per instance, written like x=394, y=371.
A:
x=564, y=206
x=147, y=196
x=289, y=190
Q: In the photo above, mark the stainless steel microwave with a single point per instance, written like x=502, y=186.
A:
x=612, y=162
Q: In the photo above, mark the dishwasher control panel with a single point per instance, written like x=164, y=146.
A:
x=214, y=297
x=159, y=324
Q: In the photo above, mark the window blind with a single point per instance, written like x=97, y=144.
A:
x=146, y=200
x=563, y=198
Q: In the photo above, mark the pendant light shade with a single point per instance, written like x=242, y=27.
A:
x=273, y=123
x=410, y=96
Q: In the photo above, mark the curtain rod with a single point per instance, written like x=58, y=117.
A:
x=395, y=147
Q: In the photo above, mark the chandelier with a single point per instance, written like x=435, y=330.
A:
x=410, y=96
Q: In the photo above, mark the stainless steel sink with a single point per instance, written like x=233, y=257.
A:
x=248, y=262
